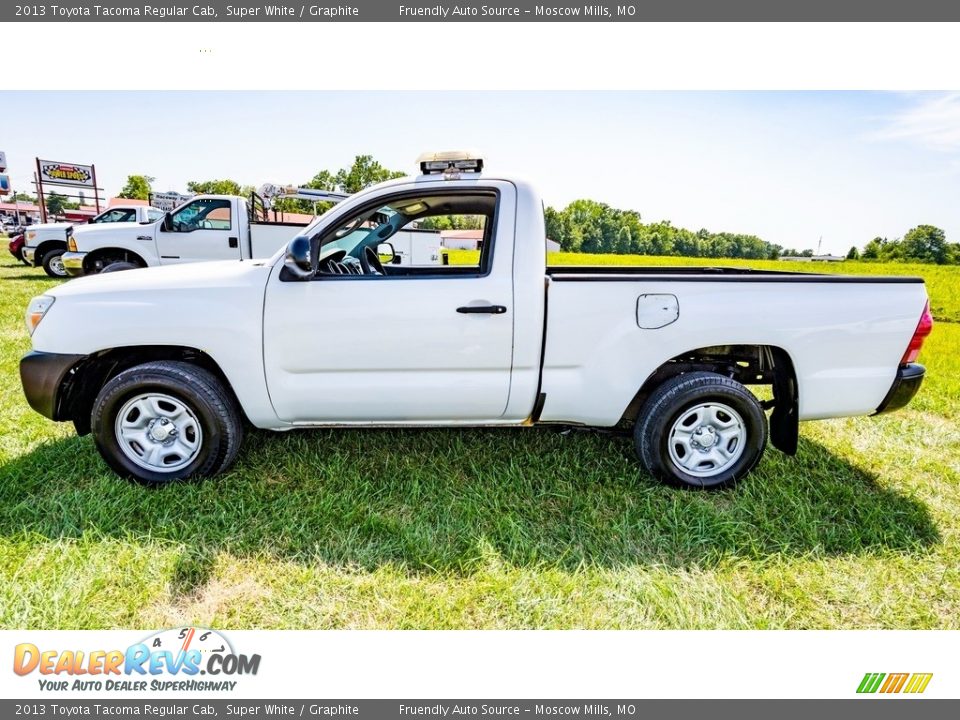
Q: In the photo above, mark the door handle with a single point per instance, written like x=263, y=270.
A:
x=233, y=242
x=475, y=309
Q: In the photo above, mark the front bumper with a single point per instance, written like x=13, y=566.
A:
x=73, y=263
x=42, y=375
x=905, y=385
x=28, y=253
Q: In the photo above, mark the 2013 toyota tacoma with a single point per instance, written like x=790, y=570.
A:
x=166, y=366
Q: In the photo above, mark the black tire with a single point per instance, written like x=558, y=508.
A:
x=212, y=406
x=676, y=415
x=120, y=265
x=53, y=263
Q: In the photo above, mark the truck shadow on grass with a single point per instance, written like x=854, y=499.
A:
x=445, y=500
x=25, y=273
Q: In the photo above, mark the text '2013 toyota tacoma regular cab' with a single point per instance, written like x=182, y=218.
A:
x=163, y=365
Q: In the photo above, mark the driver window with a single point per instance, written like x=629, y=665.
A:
x=424, y=236
x=203, y=214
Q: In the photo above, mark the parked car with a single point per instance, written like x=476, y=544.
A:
x=16, y=248
x=46, y=243
x=164, y=365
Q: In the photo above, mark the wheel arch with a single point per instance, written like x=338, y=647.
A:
x=96, y=260
x=85, y=380
x=45, y=247
x=748, y=365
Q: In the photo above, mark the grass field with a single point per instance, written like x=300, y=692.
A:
x=529, y=528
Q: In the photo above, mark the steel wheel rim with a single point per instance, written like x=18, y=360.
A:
x=158, y=432
x=707, y=439
x=57, y=266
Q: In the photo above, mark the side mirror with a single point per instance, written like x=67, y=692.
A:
x=167, y=222
x=386, y=252
x=298, y=258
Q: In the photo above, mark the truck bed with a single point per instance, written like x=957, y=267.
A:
x=692, y=273
x=844, y=334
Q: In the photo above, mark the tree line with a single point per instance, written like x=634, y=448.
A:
x=589, y=226
x=593, y=227
x=924, y=244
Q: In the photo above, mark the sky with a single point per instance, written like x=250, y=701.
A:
x=790, y=167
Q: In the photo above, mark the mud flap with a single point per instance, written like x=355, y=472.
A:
x=785, y=418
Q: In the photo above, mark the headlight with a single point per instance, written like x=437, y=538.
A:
x=71, y=244
x=31, y=234
x=36, y=310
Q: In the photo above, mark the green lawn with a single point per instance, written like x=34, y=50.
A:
x=524, y=528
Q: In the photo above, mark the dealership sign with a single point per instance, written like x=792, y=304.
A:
x=5, y=184
x=167, y=201
x=61, y=173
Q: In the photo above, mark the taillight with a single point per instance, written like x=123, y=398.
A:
x=919, y=335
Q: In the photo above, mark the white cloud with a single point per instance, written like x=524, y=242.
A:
x=933, y=122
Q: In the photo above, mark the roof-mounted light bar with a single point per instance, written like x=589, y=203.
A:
x=450, y=163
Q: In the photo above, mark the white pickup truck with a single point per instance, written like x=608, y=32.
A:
x=165, y=366
x=217, y=227
x=46, y=243
x=207, y=227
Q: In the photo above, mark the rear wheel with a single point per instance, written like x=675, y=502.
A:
x=53, y=264
x=701, y=430
x=165, y=421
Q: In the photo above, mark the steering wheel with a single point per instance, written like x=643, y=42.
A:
x=370, y=262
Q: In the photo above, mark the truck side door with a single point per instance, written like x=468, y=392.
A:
x=421, y=345
x=206, y=228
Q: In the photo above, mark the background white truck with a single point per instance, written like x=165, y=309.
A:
x=217, y=227
x=45, y=243
x=164, y=365
x=206, y=227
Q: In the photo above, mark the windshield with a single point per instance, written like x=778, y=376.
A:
x=116, y=215
x=356, y=232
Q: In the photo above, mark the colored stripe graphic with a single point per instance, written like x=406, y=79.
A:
x=918, y=683
x=894, y=683
x=870, y=682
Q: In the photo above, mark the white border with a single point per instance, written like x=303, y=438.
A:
x=490, y=56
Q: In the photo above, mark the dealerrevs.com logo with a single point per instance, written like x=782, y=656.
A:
x=180, y=659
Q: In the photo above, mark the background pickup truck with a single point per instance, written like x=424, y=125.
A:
x=217, y=227
x=45, y=244
x=165, y=365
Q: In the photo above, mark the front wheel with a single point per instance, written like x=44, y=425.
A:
x=165, y=421
x=119, y=266
x=53, y=264
x=701, y=430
